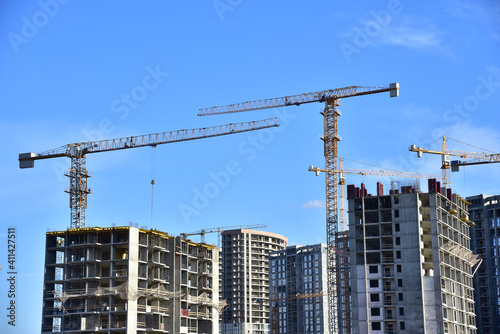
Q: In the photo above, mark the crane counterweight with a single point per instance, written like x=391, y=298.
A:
x=26, y=160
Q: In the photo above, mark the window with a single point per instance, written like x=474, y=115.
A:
x=375, y=311
x=398, y=241
x=396, y=213
x=373, y=269
x=376, y=326
x=398, y=254
x=396, y=227
x=400, y=282
x=398, y=268
x=401, y=311
x=400, y=296
x=402, y=325
x=374, y=283
x=374, y=297
x=396, y=199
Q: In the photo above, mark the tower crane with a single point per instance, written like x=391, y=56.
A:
x=204, y=231
x=78, y=173
x=343, y=260
x=331, y=98
x=472, y=158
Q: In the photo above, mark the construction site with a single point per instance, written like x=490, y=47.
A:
x=250, y=167
x=392, y=261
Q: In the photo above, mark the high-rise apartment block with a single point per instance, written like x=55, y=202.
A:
x=484, y=211
x=127, y=280
x=411, y=262
x=298, y=285
x=245, y=279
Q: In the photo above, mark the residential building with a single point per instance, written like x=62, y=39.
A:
x=484, y=211
x=411, y=263
x=128, y=280
x=298, y=287
x=245, y=279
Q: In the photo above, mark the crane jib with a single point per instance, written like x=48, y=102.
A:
x=320, y=96
x=26, y=160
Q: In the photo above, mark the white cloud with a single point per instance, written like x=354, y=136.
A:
x=410, y=37
x=414, y=34
x=315, y=204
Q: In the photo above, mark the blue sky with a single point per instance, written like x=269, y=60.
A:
x=67, y=68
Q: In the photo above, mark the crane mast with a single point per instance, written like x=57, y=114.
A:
x=331, y=98
x=78, y=173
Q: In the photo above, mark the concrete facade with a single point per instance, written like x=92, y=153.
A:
x=294, y=272
x=129, y=280
x=484, y=211
x=411, y=264
x=245, y=279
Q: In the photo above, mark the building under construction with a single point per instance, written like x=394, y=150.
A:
x=411, y=263
x=129, y=280
x=245, y=279
x=485, y=212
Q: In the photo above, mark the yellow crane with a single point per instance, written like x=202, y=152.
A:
x=204, y=231
x=78, y=173
x=472, y=158
x=331, y=98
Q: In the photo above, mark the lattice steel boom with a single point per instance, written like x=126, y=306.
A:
x=77, y=152
x=331, y=98
x=299, y=99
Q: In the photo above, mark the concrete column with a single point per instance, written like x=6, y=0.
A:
x=133, y=282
